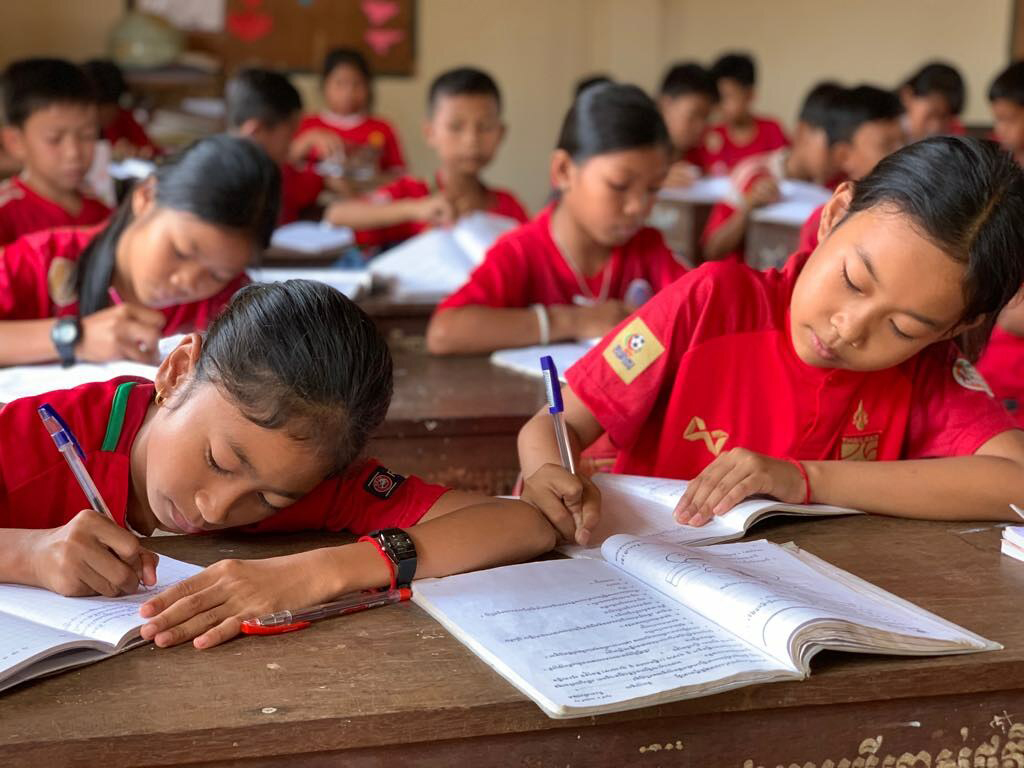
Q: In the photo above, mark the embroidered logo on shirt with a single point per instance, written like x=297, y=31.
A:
x=860, y=417
x=60, y=282
x=713, y=439
x=967, y=376
x=633, y=350
x=383, y=482
x=860, y=447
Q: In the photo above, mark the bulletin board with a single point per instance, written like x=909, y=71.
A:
x=296, y=34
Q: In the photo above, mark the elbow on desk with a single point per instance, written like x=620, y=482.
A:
x=440, y=339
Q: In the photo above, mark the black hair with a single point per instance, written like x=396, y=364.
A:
x=220, y=179
x=609, y=118
x=852, y=107
x=107, y=80
x=299, y=356
x=689, y=77
x=1009, y=84
x=260, y=94
x=585, y=82
x=463, y=81
x=30, y=85
x=966, y=195
x=941, y=78
x=735, y=66
x=347, y=57
x=817, y=107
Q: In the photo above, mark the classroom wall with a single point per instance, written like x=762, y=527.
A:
x=538, y=48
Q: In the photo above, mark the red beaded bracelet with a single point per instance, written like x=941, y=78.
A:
x=803, y=473
x=391, y=566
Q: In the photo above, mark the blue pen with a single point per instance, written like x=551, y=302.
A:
x=554, y=391
x=69, y=447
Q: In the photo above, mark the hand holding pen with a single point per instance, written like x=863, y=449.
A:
x=91, y=553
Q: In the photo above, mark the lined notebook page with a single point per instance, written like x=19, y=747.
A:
x=107, y=619
x=21, y=641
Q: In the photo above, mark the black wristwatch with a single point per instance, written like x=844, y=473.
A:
x=65, y=334
x=398, y=546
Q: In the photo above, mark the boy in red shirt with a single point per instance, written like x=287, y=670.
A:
x=117, y=125
x=51, y=129
x=1006, y=97
x=687, y=96
x=865, y=127
x=741, y=133
x=344, y=129
x=464, y=128
x=932, y=99
x=835, y=380
x=756, y=179
x=262, y=105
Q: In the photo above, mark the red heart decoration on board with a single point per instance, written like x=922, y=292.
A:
x=383, y=40
x=249, y=26
x=380, y=11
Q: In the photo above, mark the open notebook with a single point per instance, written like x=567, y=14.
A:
x=353, y=283
x=42, y=632
x=526, y=360
x=437, y=262
x=644, y=506
x=312, y=237
x=654, y=622
x=27, y=380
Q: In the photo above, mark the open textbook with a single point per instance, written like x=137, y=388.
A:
x=27, y=380
x=42, y=632
x=654, y=622
x=644, y=506
x=437, y=262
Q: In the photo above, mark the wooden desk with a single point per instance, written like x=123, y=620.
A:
x=399, y=317
x=769, y=244
x=390, y=687
x=454, y=420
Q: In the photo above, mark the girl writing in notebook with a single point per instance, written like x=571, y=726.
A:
x=835, y=380
x=259, y=424
x=586, y=260
x=167, y=261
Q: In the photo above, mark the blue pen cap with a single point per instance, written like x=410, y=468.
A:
x=58, y=429
x=552, y=384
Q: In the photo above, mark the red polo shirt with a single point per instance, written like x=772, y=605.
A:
x=525, y=267
x=38, y=273
x=23, y=211
x=709, y=365
x=124, y=127
x=37, y=490
x=809, y=232
x=720, y=153
x=370, y=131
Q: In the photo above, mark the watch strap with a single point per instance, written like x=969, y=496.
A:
x=392, y=572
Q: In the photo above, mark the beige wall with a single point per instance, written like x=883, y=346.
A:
x=538, y=48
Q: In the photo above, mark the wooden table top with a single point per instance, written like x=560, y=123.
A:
x=394, y=677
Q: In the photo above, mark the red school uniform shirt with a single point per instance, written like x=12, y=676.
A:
x=410, y=188
x=709, y=365
x=124, y=127
x=23, y=211
x=38, y=274
x=299, y=191
x=720, y=153
x=525, y=267
x=1002, y=365
x=37, y=490
x=360, y=131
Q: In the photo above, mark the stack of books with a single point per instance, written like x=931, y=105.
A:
x=1013, y=541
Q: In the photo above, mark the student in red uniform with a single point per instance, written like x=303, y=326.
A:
x=1002, y=364
x=812, y=158
x=167, y=262
x=344, y=128
x=587, y=259
x=51, y=129
x=741, y=133
x=1006, y=97
x=932, y=98
x=865, y=127
x=688, y=94
x=835, y=380
x=262, y=105
x=117, y=125
x=261, y=425
x=464, y=129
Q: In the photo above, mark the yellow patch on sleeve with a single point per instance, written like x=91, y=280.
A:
x=633, y=350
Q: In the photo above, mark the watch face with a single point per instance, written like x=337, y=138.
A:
x=65, y=333
x=401, y=545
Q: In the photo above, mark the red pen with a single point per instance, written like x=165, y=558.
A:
x=289, y=621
